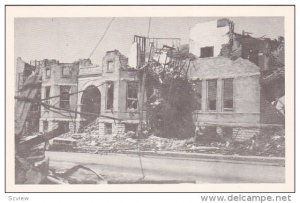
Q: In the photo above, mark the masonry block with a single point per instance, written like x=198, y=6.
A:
x=52, y=125
x=72, y=127
x=119, y=128
x=101, y=128
x=242, y=134
x=41, y=126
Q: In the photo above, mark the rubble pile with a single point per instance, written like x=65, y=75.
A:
x=93, y=143
x=269, y=143
x=154, y=143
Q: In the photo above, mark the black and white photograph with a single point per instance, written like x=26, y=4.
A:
x=152, y=100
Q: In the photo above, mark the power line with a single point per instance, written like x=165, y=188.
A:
x=98, y=43
x=63, y=109
x=74, y=111
x=71, y=93
x=57, y=112
x=149, y=25
x=100, y=40
x=140, y=107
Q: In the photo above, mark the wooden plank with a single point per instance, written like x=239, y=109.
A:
x=22, y=108
x=24, y=146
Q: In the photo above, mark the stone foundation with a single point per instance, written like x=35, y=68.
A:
x=72, y=127
x=118, y=128
x=226, y=132
x=242, y=134
x=101, y=128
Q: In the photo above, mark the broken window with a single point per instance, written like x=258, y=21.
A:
x=65, y=96
x=198, y=93
x=66, y=72
x=35, y=107
x=64, y=125
x=47, y=94
x=212, y=95
x=206, y=52
x=132, y=95
x=253, y=56
x=108, y=128
x=110, y=67
x=227, y=94
x=110, y=95
x=45, y=126
x=48, y=72
x=131, y=127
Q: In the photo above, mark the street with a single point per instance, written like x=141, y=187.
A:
x=119, y=167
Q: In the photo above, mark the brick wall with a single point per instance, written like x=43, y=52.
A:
x=101, y=128
x=117, y=128
x=246, y=90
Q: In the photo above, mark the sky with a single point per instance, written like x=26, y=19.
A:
x=70, y=39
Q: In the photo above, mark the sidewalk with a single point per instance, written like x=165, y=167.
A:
x=278, y=161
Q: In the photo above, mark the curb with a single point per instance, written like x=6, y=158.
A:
x=218, y=157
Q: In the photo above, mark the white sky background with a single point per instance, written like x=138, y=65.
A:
x=69, y=39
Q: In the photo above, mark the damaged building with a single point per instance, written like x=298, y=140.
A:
x=110, y=90
x=237, y=82
x=230, y=80
x=114, y=88
x=23, y=71
x=59, y=82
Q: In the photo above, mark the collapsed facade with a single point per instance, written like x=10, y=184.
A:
x=23, y=71
x=229, y=79
x=59, y=82
x=110, y=90
x=114, y=88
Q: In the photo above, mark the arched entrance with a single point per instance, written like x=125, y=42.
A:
x=91, y=103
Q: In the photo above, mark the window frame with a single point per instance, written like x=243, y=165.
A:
x=108, y=70
x=201, y=92
x=108, y=131
x=207, y=47
x=47, y=100
x=207, y=98
x=129, y=125
x=48, y=75
x=223, y=98
x=65, y=100
x=65, y=125
x=66, y=75
x=107, y=91
x=131, y=98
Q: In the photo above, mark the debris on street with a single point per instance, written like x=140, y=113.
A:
x=271, y=144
